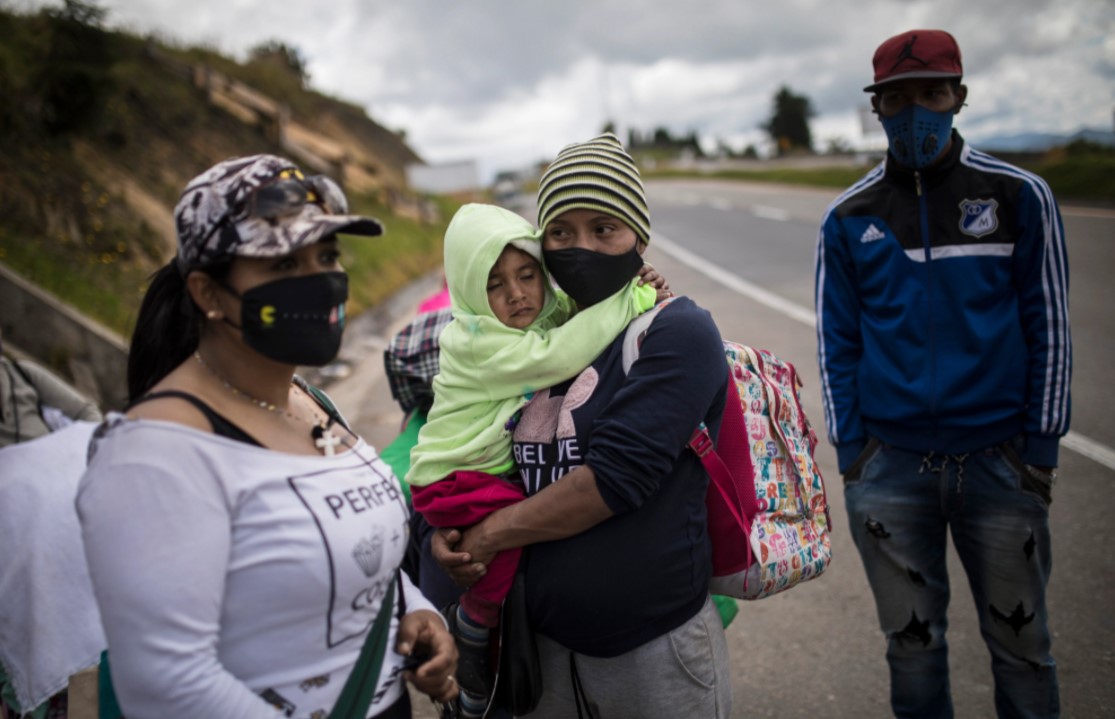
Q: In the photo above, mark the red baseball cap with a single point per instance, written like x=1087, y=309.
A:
x=916, y=54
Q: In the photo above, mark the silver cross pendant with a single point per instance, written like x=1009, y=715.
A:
x=325, y=440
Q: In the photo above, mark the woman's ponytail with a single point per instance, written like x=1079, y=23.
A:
x=168, y=327
x=166, y=331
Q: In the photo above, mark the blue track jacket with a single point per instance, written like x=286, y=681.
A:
x=942, y=310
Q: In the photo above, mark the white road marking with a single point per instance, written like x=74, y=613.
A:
x=770, y=213
x=805, y=315
x=1078, y=443
x=1090, y=448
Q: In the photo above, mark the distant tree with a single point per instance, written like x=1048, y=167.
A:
x=789, y=122
x=609, y=126
x=691, y=142
x=750, y=152
x=287, y=57
x=661, y=139
x=82, y=13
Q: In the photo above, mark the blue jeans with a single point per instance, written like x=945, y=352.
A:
x=900, y=507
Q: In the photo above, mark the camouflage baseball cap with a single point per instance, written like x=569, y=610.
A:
x=259, y=206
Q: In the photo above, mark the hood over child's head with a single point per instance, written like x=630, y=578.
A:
x=476, y=237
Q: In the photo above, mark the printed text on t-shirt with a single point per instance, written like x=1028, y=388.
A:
x=533, y=457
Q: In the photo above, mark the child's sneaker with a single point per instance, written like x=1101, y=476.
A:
x=474, y=672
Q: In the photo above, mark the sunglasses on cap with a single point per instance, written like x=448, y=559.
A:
x=285, y=196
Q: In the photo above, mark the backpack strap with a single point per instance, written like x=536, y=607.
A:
x=323, y=399
x=731, y=473
x=30, y=383
x=360, y=687
x=636, y=331
x=22, y=372
x=358, y=691
x=15, y=410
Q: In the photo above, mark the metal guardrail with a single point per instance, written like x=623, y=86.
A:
x=90, y=356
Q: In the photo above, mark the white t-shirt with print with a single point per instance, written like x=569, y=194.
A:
x=226, y=572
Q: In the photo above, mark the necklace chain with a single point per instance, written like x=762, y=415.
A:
x=264, y=405
x=321, y=432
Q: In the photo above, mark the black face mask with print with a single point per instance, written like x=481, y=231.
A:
x=297, y=320
x=589, y=277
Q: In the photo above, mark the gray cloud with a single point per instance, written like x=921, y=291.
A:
x=509, y=82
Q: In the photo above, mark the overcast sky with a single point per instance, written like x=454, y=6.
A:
x=507, y=83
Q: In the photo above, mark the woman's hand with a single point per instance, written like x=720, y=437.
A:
x=650, y=276
x=422, y=635
x=457, y=564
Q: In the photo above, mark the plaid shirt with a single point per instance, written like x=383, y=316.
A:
x=411, y=360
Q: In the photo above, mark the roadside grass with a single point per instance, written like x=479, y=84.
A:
x=380, y=266
x=1073, y=178
x=99, y=285
x=73, y=235
x=109, y=286
x=1090, y=179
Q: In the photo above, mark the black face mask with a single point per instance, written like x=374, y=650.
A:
x=589, y=277
x=298, y=320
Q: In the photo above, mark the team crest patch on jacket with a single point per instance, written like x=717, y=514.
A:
x=978, y=217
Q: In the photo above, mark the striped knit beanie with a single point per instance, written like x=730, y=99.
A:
x=595, y=175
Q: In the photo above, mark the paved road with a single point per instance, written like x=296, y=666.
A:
x=745, y=252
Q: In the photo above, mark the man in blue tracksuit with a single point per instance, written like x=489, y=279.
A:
x=945, y=356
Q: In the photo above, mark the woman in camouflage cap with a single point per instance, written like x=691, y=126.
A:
x=243, y=543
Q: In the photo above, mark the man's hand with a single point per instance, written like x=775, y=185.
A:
x=1040, y=481
x=564, y=508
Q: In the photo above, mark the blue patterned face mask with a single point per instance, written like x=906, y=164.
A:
x=917, y=135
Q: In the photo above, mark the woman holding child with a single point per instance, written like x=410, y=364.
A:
x=617, y=582
x=511, y=335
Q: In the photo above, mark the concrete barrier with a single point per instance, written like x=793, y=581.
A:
x=90, y=356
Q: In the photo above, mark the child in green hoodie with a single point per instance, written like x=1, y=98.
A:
x=511, y=335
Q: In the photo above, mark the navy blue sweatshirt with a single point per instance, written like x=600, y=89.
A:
x=644, y=571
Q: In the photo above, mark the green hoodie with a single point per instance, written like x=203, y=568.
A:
x=488, y=370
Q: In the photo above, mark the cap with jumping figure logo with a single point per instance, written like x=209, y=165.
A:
x=916, y=54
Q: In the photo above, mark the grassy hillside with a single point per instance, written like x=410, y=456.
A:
x=97, y=141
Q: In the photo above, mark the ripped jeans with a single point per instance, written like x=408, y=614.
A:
x=900, y=507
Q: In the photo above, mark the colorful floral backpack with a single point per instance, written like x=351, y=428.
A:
x=768, y=515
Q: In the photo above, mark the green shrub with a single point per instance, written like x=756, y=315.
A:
x=1080, y=178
